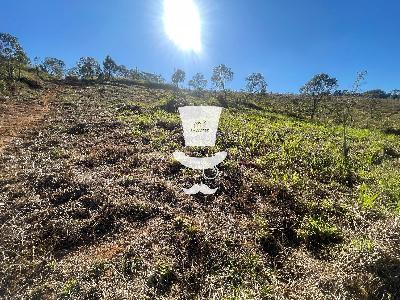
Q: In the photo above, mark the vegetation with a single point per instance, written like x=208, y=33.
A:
x=346, y=112
x=178, y=77
x=88, y=68
x=317, y=88
x=110, y=68
x=91, y=202
x=12, y=56
x=198, y=82
x=54, y=67
x=221, y=76
x=255, y=83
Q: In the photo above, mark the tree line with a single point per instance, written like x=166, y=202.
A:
x=13, y=59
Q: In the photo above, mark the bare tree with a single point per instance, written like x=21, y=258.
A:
x=347, y=105
x=37, y=62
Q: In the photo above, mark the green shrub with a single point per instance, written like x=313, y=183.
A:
x=69, y=286
x=367, y=198
x=318, y=231
x=362, y=245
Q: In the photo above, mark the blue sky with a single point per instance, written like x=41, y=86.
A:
x=287, y=40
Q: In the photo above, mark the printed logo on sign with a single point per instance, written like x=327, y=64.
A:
x=200, y=125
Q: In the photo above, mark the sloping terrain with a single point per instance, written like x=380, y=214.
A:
x=91, y=204
x=17, y=115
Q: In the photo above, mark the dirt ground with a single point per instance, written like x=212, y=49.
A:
x=89, y=210
x=17, y=116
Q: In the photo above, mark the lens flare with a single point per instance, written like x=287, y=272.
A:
x=182, y=24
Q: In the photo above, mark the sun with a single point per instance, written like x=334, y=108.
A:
x=182, y=24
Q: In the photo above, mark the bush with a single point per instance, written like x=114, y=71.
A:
x=319, y=232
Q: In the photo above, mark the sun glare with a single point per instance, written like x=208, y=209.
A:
x=182, y=24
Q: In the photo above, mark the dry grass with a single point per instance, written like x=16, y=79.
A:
x=91, y=208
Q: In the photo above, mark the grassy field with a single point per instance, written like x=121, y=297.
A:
x=91, y=205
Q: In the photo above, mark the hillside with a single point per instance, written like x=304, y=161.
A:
x=91, y=201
